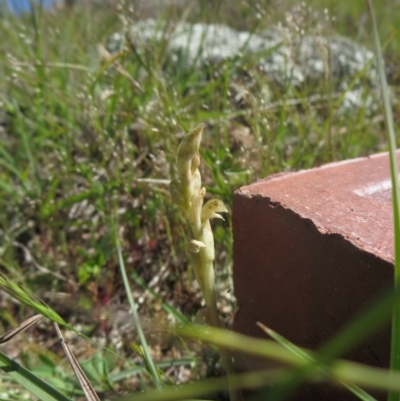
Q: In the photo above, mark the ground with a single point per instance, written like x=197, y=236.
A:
x=87, y=148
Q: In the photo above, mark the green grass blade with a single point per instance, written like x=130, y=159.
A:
x=23, y=296
x=189, y=391
x=31, y=382
x=5, y=186
x=132, y=304
x=367, y=324
x=339, y=370
x=395, y=346
x=306, y=357
x=344, y=370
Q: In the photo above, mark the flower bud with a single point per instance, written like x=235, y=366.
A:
x=195, y=246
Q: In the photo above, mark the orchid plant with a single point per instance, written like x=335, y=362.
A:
x=187, y=192
x=189, y=195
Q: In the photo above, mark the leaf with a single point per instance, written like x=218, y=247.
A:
x=29, y=381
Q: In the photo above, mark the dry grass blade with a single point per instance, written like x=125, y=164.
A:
x=80, y=375
x=20, y=328
x=112, y=59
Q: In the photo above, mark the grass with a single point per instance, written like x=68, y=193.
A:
x=88, y=144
